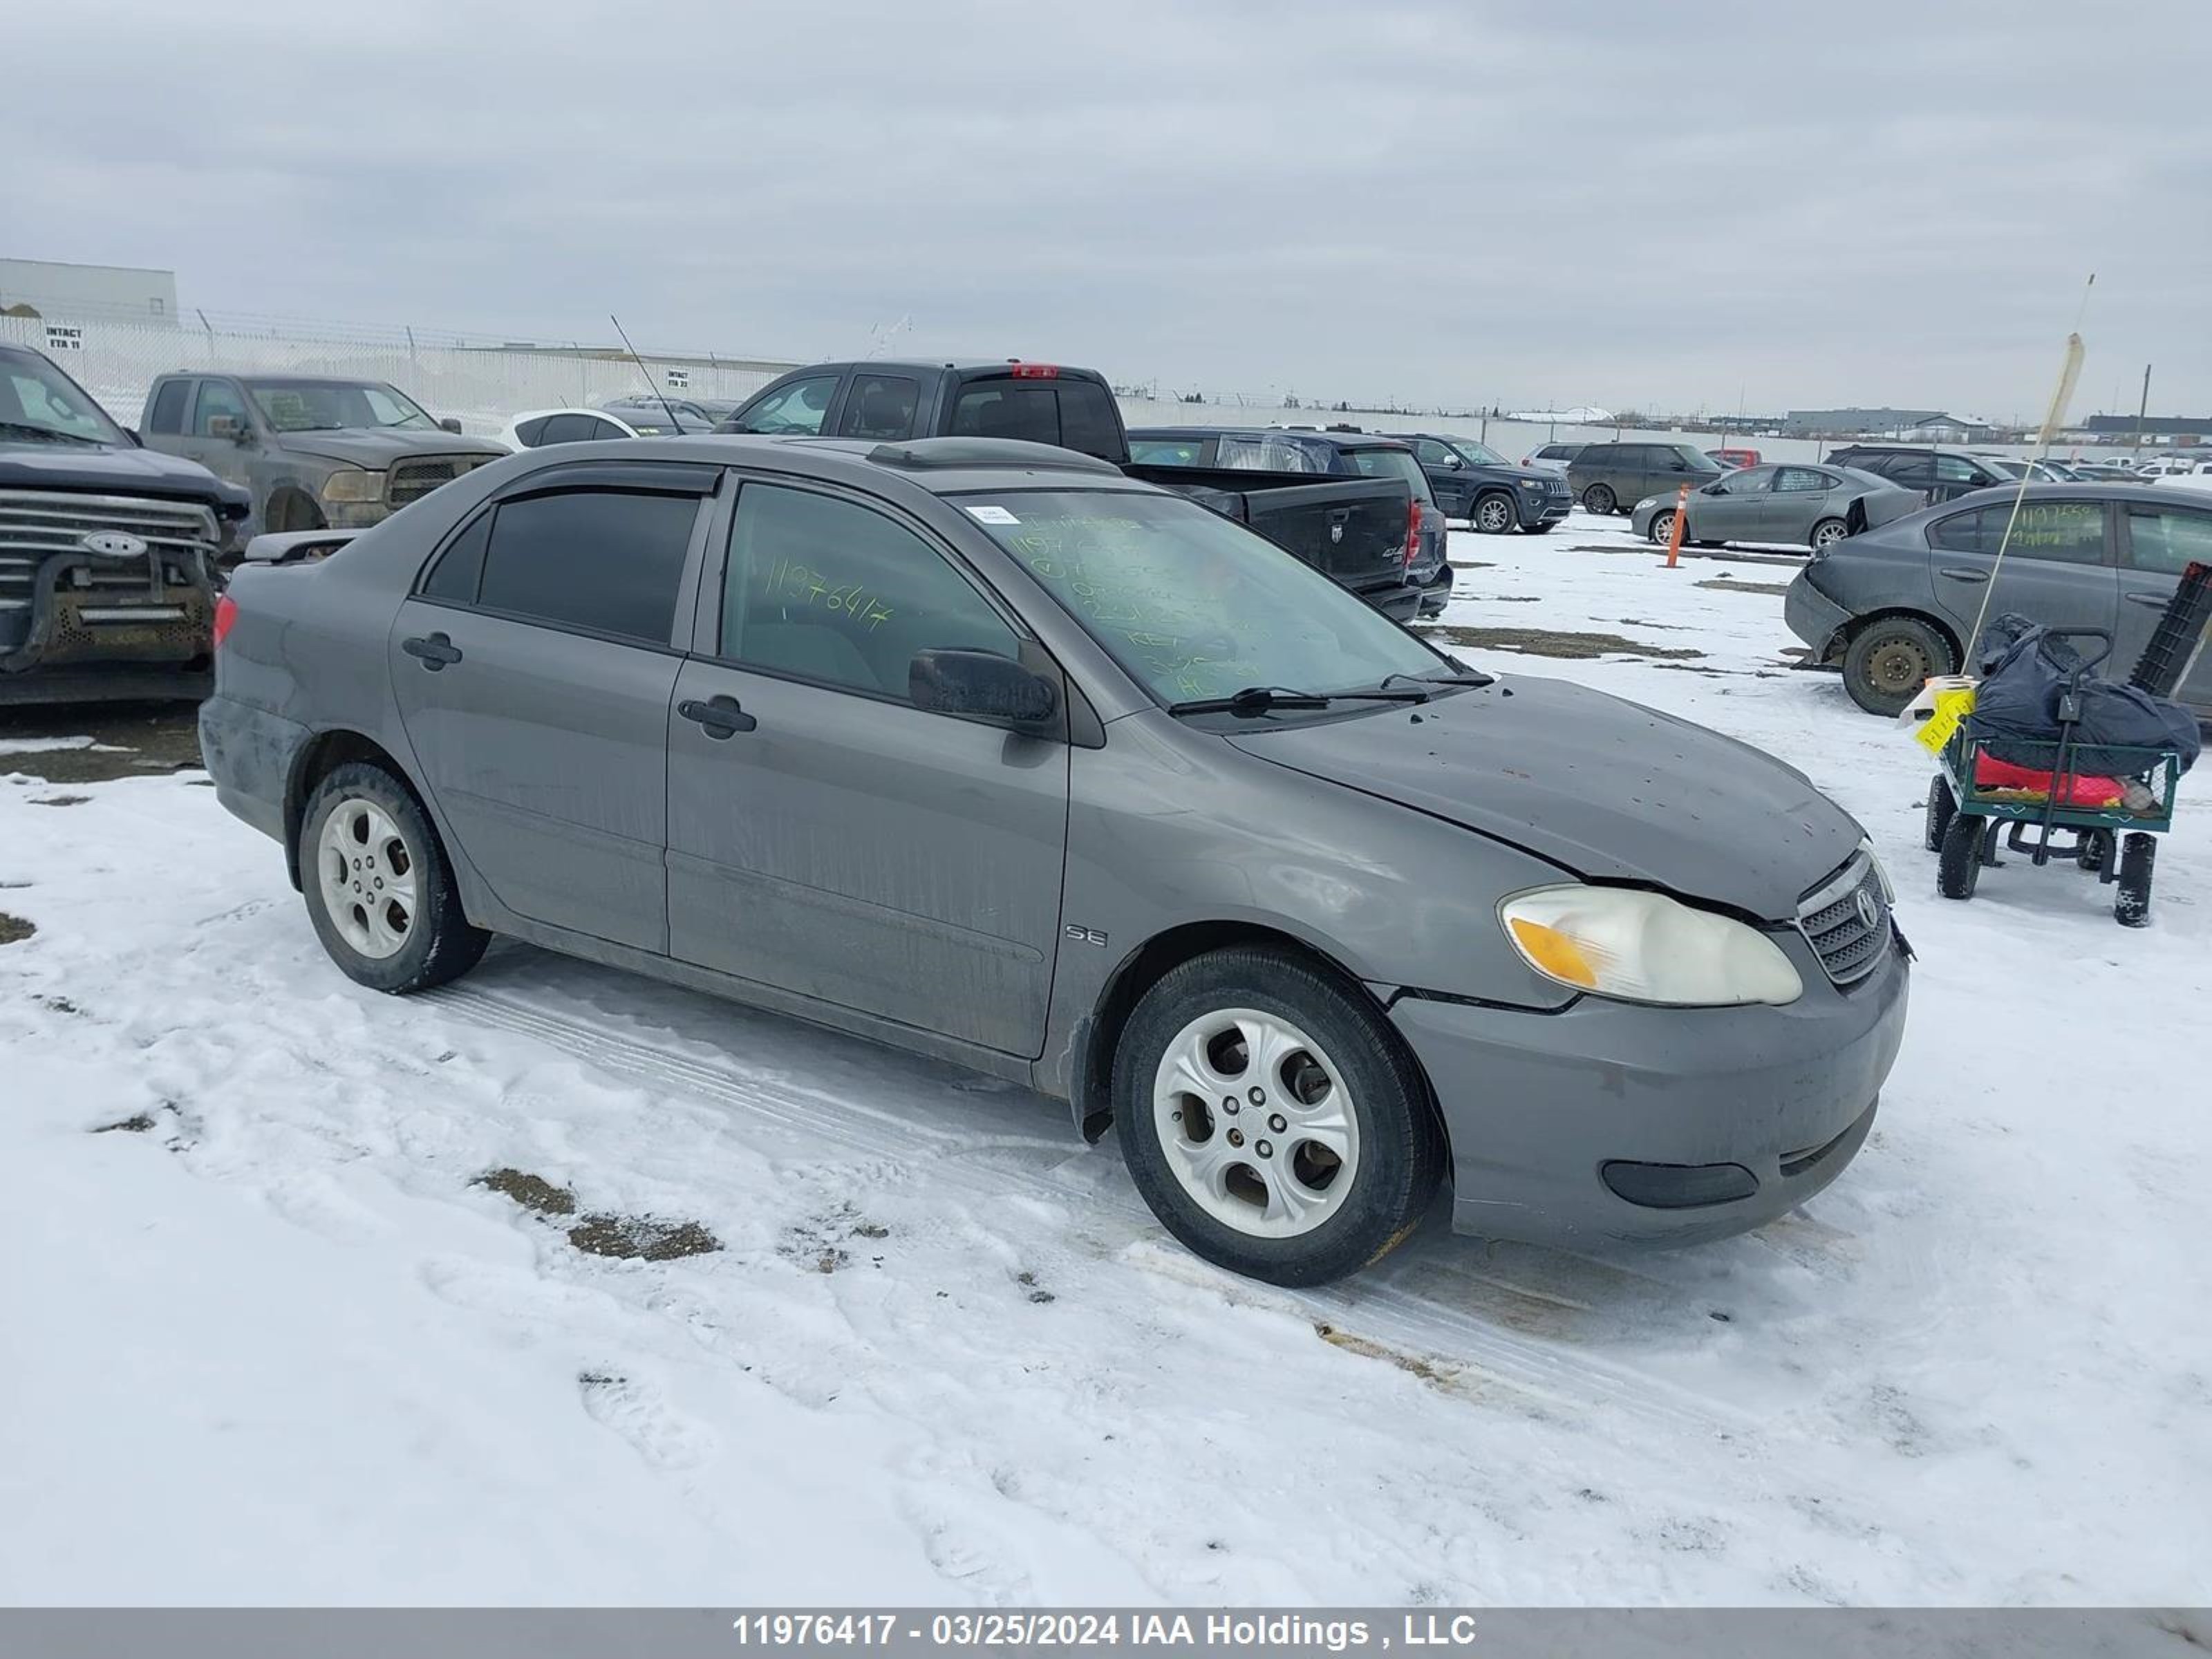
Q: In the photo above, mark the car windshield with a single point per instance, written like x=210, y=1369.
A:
x=1476, y=454
x=1192, y=606
x=38, y=403
x=326, y=405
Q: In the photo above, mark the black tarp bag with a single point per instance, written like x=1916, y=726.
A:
x=2026, y=667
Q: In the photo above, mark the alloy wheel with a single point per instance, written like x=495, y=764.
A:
x=367, y=872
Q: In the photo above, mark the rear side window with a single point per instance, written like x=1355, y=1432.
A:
x=459, y=568
x=879, y=406
x=2061, y=533
x=605, y=561
x=168, y=413
x=568, y=429
x=1803, y=477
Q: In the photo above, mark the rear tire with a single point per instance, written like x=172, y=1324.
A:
x=1943, y=807
x=2131, y=903
x=1958, y=862
x=1826, y=533
x=1890, y=658
x=1493, y=514
x=380, y=889
x=1304, y=1147
x=1599, y=499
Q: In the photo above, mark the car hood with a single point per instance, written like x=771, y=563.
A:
x=376, y=447
x=115, y=472
x=1608, y=789
x=1512, y=475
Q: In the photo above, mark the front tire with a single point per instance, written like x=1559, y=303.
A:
x=1599, y=499
x=1270, y=1118
x=1662, y=529
x=1493, y=514
x=380, y=891
x=1889, y=659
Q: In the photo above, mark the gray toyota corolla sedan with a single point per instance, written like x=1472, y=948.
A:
x=1815, y=507
x=984, y=749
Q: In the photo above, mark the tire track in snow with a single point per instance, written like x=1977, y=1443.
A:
x=980, y=1160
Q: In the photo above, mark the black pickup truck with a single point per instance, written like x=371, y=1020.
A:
x=1363, y=532
x=108, y=551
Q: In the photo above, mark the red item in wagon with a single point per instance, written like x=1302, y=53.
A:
x=1990, y=773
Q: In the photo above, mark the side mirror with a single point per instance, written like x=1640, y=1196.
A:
x=450, y=424
x=1678, y=464
x=981, y=685
x=230, y=427
x=1453, y=462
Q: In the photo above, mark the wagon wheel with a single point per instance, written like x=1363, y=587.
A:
x=2131, y=902
x=1959, y=861
x=1943, y=807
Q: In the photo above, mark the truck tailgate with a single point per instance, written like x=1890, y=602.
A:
x=1350, y=529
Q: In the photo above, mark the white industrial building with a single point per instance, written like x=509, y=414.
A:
x=47, y=288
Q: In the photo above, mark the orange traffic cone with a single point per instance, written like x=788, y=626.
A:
x=1681, y=518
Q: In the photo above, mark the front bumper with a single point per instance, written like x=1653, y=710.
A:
x=1815, y=618
x=1551, y=1115
x=1544, y=507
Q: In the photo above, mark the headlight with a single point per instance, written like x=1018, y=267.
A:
x=1532, y=483
x=353, y=485
x=1649, y=501
x=1646, y=947
x=1888, y=892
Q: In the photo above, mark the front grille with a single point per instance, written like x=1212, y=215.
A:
x=1846, y=920
x=411, y=481
x=36, y=525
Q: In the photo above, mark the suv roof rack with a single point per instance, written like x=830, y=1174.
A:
x=948, y=452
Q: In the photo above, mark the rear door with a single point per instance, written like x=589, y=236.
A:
x=1799, y=500
x=2157, y=544
x=2057, y=569
x=533, y=669
x=826, y=837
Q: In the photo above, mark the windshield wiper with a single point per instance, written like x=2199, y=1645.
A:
x=1265, y=699
x=50, y=432
x=1473, y=677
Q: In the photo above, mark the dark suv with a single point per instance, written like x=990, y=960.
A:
x=1472, y=481
x=1338, y=454
x=1940, y=475
x=1613, y=477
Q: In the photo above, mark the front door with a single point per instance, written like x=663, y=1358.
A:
x=2157, y=544
x=2057, y=568
x=826, y=837
x=229, y=459
x=1730, y=509
x=533, y=669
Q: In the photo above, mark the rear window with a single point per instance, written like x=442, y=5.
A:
x=1070, y=414
x=1392, y=463
x=1167, y=451
x=1272, y=452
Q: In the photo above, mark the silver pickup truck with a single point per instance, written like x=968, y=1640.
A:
x=315, y=452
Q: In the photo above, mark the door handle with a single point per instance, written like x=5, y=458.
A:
x=1964, y=574
x=434, y=652
x=2154, y=601
x=720, y=716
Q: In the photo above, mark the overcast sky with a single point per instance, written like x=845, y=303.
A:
x=1538, y=204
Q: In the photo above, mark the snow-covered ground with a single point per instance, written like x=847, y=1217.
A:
x=270, y=1341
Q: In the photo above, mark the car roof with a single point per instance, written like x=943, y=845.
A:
x=939, y=466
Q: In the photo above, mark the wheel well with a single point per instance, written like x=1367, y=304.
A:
x=1150, y=962
x=322, y=755
x=291, y=507
x=1941, y=629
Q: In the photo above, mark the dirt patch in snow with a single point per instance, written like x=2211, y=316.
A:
x=818, y=1245
x=641, y=1237
x=534, y=1192
x=13, y=930
x=60, y=801
x=1722, y=584
x=1549, y=642
x=128, y=740
x=138, y=1124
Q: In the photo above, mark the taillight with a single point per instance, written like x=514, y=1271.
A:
x=226, y=612
x=1035, y=371
x=1412, y=530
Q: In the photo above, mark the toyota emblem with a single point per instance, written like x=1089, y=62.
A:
x=1869, y=908
x=113, y=544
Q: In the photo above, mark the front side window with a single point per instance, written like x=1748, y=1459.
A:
x=1476, y=454
x=218, y=400
x=879, y=406
x=823, y=589
x=2062, y=532
x=799, y=408
x=1190, y=604
x=1431, y=453
x=601, y=561
x=2167, y=539
x=1956, y=469
x=1751, y=481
